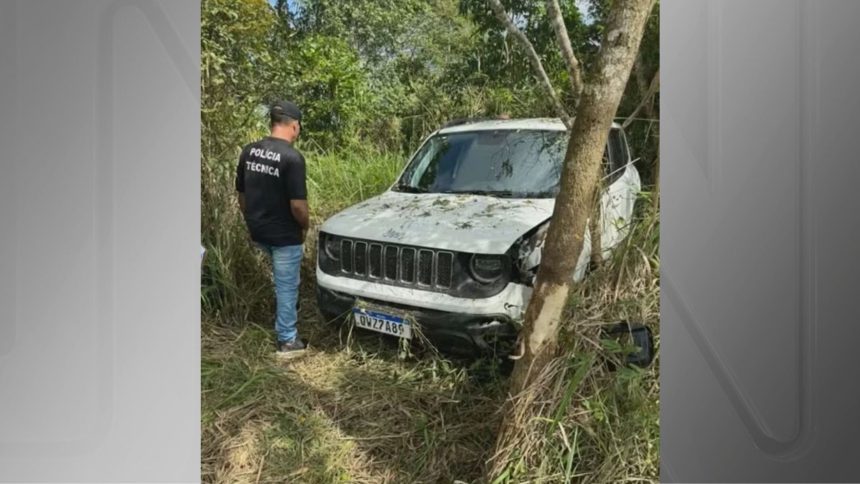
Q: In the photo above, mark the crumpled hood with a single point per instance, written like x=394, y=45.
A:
x=461, y=223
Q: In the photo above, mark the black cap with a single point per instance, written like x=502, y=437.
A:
x=281, y=109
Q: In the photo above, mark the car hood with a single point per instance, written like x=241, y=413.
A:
x=461, y=223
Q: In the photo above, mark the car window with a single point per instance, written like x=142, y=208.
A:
x=507, y=163
x=616, y=156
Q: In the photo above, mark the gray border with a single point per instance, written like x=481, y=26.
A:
x=9, y=267
x=104, y=221
x=759, y=373
x=144, y=427
x=800, y=443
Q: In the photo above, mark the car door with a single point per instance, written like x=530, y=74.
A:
x=621, y=188
x=621, y=185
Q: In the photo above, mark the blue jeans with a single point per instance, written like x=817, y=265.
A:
x=286, y=266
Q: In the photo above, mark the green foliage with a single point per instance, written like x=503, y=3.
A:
x=386, y=73
x=500, y=59
x=323, y=76
x=376, y=27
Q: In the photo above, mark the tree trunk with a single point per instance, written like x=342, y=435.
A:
x=595, y=226
x=579, y=181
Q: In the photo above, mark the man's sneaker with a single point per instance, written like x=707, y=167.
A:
x=291, y=349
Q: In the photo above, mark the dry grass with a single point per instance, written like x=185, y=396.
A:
x=356, y=409
x=357, y=413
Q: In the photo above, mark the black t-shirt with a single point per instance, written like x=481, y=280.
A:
x=270, y=174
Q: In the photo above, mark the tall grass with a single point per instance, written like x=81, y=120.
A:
x=338, y=180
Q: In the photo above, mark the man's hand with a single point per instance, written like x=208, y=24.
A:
x=301, y=213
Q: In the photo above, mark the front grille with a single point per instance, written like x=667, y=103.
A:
x=391, y=263
x=425, y=267
x=346, y=255
x=397, y=264
x=376, y=260
x=359, y=259
x=407, y=265
x=444, y=264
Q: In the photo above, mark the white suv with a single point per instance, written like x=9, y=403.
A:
x=453, y=246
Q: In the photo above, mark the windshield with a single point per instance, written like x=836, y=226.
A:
x=504, y=163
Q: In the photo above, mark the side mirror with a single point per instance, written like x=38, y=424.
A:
x=638, y=335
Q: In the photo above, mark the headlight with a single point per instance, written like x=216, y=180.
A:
x=486, y=268
x=530, y=251
x=332, y=247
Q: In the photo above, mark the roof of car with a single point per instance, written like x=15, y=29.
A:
x=542, y=124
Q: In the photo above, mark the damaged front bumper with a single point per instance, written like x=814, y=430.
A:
x=455, y=325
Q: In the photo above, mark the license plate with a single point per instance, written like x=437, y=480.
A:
x=381, y=322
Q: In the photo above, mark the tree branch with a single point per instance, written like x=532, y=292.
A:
x=502, y=16
x=573, y=68
x=652, y=89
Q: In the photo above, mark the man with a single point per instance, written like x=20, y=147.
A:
x=270, y=179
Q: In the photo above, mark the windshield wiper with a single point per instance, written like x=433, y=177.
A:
x=409, y=189
x=490, y=193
